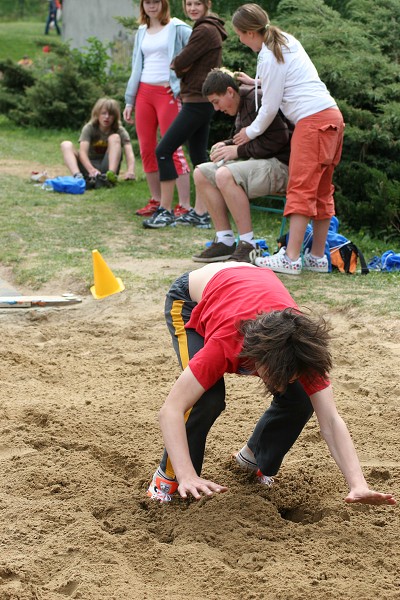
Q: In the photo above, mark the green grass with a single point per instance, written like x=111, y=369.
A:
x=12, y=10
x=47, y=236
x=21, y=38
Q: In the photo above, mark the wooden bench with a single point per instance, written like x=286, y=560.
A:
x=274, y=203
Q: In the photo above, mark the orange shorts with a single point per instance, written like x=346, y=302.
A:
x=316, y=148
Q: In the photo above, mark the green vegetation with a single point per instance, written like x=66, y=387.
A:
x=23, y=9
x=48, y=237
x=36, y=96
x=357, y=60
x=22, y=38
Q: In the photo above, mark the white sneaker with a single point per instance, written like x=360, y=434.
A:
x=280, y=263
x=244, y=463
x=314, y=263
x=39, y=177
x=265, y=479
x=248, y=465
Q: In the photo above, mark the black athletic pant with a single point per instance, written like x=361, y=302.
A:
x=191, y=126
x=277, y=429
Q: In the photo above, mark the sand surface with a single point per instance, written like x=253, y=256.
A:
x=80, y=391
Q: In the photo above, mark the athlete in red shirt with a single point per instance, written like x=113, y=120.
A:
x=234, y=318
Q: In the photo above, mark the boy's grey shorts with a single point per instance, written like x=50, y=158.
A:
x=101, y=164
x=257, y=176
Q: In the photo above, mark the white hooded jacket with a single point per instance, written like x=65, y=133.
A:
x=293, y=86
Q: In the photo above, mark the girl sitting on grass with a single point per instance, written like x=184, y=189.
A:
x=101, y=143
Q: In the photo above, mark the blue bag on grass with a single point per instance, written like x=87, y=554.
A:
x=389, y=261
x=341, y=253
x=67, y=185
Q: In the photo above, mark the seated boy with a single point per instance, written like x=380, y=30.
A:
x=100, y=147
x=237, y=173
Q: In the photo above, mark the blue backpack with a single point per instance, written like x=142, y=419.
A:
x=341, y=253
x=389, y=261
x=67, y=185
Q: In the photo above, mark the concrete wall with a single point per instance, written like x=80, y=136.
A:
x=94, y=18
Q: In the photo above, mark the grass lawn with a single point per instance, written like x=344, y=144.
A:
x=45, y=235
x=23, y=38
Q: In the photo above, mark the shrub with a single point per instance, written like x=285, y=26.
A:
x=60, y=99
x=14, y=77
x=93, y=61
x=14, y=82
x=60, y=89
x=368, y=200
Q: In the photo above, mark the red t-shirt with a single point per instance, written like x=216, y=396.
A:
x=223, y=305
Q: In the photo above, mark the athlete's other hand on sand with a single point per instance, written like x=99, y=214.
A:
x=369, y=497
x=198, y=487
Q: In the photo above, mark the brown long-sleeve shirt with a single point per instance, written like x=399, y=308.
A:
x=202, y=53
x=274, y=142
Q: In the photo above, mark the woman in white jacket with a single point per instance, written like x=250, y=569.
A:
x=152, y=94
x=290, y=83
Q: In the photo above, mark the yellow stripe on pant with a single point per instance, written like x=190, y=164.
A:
x=180, y=332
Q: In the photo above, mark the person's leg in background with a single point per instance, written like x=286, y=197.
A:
x=156, y=110
x=315, y=150
x=237, y=202
x=242, y=180
x=169, y=161
x=169, y=165
x=226, y=190
x=114, y=152
x=302, y=185
x=49, y=18
x=70, y=156
x=188, y=125
x=330, y=155
x=47, y=26
x=112, y=159
x=192, y=124
x=200, y=115
x=167, y=115
x=204, y=177
x=224, y=244
x=146, y=129
x=55, y=23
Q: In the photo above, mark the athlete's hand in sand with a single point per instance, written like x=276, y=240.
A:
x=367, y=496
x=196, y=486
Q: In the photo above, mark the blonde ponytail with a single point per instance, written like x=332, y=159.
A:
x=251, y=17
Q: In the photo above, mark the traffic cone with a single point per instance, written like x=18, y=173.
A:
x=105, y=282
